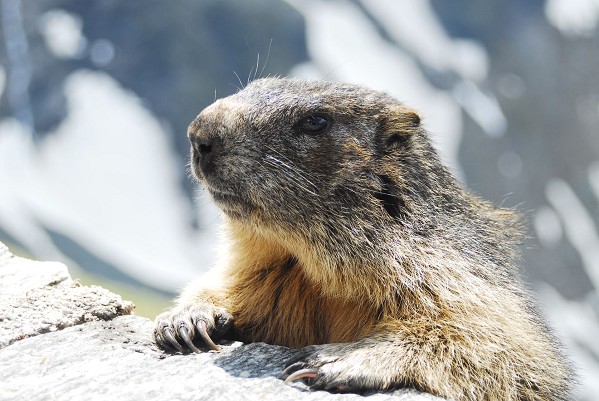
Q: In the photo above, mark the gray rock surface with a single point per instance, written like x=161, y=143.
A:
x=63, y=341
x=41, y=297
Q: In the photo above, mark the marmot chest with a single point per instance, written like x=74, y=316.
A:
x=279, y=305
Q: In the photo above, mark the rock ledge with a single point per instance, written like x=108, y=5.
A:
x=63, y=341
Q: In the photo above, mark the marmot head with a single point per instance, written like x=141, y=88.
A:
x=345, y=179
x=302, y=152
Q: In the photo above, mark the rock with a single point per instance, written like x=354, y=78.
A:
x=60, y=340
x=40, y=297
x=19, y=275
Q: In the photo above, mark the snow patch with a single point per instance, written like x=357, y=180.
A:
x=577, y=327
x=483, y=108
x=431, y=44
x=573, y=17
x=547, y=227
x=578, y=225
x=62, y=33
x=16, y=157
x=106, y=178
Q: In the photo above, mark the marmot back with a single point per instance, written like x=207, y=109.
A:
x=348, y=236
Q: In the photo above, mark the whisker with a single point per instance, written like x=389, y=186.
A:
x=249, y=76
x=282, y=156
x=306, y=175
x=292, y=168
x=294, y=175
x=257, y=66
x=233, y=85
x=239, y=79
x=296, y=182
x=267, y=57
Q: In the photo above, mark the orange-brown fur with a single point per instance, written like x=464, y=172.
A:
x=360, y=245
x=279, y=305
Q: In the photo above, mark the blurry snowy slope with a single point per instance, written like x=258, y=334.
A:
x=106, y=179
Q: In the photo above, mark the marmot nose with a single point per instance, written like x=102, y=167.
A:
x=205, y=153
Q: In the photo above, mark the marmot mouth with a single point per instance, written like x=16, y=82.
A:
x=223, y=197
x=230, y=202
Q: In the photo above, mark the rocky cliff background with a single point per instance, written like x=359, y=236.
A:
x=95, y=98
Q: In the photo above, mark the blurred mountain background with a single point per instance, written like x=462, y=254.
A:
x=95, y=99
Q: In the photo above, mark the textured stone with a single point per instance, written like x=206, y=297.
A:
x=41, y=297
x=117, y=360
x=68, y=342
x=48, y=309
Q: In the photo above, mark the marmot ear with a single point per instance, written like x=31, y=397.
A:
x=398, y=127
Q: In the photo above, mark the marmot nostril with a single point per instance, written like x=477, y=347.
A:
x=205, y=153
x=201, y=146
x=205, y=148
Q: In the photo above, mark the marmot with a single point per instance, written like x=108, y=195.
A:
x=350, y=238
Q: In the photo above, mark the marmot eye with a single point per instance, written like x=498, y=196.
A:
x=314, y=124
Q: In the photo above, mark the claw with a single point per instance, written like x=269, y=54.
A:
x=168, y=333
x=184, y=334
x=161, y=343
x=203, y=332
x=302, y=374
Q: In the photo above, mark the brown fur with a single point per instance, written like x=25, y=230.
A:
x=356, y=243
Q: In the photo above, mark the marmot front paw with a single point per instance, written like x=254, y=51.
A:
x=335, y=368
x=179, y=328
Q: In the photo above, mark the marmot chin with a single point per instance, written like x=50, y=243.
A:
x=348, y=237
